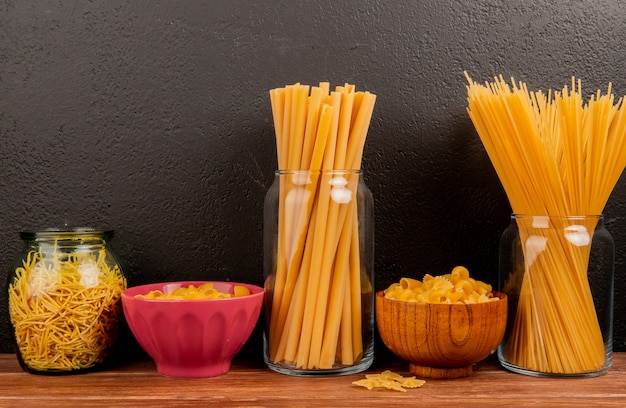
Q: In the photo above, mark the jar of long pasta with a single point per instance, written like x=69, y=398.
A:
x=64, y=294
x=319, y=273
x=557, y=272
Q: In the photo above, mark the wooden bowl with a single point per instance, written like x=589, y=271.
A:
x=440, y=340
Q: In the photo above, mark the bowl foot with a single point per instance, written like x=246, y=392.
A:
x=440, y=372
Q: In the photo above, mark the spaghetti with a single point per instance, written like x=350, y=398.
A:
x=556, y=158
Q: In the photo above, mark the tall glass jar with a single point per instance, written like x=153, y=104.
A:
x=319, y=273
x=558, y=275
x=64, y=300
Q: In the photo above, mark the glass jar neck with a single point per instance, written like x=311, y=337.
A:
x=66, y=238
x=540, y=220
x=319, y=171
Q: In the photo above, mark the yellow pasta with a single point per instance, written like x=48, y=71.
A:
x=389, y=380
x=65, y=309
x=191, y=292
x=315, y=312
x=455, y=287
x=556, y=157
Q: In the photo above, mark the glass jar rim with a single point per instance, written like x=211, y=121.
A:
x=318, y=171
x=66, y=232
x=569, y=217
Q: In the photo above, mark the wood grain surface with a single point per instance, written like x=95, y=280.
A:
x=250, y=384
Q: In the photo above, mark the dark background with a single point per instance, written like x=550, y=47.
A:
x=153, y=118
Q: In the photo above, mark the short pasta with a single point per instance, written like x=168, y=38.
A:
x=389, y=380
x=452, y=288
x=191, y=292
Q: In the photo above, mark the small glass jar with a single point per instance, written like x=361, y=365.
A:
x=558, y=275
x=319, y=273
x=64, y=300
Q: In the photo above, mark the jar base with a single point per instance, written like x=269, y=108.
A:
x=288, y=369
x=525, y=371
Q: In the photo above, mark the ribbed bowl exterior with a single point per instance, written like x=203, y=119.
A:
x=192, y=338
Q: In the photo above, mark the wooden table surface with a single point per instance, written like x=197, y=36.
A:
x=250, y=383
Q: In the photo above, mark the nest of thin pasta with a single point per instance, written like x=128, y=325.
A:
x=65, y=311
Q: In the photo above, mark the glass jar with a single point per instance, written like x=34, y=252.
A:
x=64, y=300
x=319, y=273
x=558, y=275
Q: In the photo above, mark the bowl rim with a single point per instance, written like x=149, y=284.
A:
x=500, y=295
x=130, y=293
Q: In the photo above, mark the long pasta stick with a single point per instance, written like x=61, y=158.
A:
x=303, y=212
x=336, y=247
x=304, y=157
x=318, y=284
x=296, y=142
x=320, y=226
x=343, y=132
x=327, y=324
x=297, y=264
x=337, y=299
x=604, y=152
x=298, y=124
x=319, y=143
x=292, y=126
x=326, y=164
x=290, y=247
x=298, y=196
x=290, y=337
x=357, y=288
x=481, y=111
x=286, y=125
x=277, y=97
x=329, y=247
x=359, y=130
x=348, y=340
x=315, y=103
x=615, y=158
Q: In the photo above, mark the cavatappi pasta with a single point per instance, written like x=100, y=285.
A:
x=454, y=287
x=556, y=157
x=65, y=309
x=191, y=292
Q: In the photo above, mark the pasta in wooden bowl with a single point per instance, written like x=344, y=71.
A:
x=443, y=325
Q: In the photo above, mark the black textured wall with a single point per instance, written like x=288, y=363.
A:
x=153, y=118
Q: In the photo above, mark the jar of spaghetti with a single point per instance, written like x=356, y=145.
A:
x=319, y=273
x=64, y=300
x=557, y=272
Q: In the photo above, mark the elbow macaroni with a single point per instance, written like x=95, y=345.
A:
x=452, y=288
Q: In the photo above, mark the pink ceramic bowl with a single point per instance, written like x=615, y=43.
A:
x=192, y=338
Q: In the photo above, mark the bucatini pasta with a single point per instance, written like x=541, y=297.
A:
x=556, y=157
x=454, y=287
x=315, y=315
x=191, y=292
x=65, y=309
